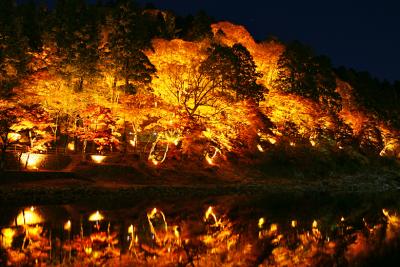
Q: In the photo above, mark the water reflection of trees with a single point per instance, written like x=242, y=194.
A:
x=154, y=239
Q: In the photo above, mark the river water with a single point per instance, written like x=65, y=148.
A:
x=308, y=230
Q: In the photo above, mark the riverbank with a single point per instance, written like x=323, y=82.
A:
x=71, y=188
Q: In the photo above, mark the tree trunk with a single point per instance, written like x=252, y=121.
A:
x=126, y=84
x=55, y=134
x=30, y=138
x=80, y=84
x=66, y=145
x=27, y=160
x=3, y=151
x=125, y=139
x=84, y=148
x=135, y=138
x=3, y=157
x=114, y=89
x=19, y=160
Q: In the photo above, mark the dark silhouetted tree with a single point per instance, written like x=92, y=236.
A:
x=198, y=27
x=235, y=69
x=13, y=48
x=128, y=37
x=31, y=27
x=77, y=38
x=7, y=119
x=302, y=73
x=380, y=97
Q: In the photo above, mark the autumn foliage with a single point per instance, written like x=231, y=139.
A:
x=221, y=94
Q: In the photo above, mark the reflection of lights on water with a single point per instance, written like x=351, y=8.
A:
x=154, y=214
x=261, y=222
x=32, y=161
x=95, y=217
x=157, y=218
x=28, y=217
x=273, y=228
x=176, y=231
x=385, y=212
x=312, y=142
x=88, y=250
x=210, y=213
x=132, y=236
x=7, y=237
x=98, y=158
x=219, y=240
x=67, y=226
x=272, y=140
x=130, y=229
x=392, y=218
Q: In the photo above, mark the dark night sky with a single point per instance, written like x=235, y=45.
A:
x=364, y=35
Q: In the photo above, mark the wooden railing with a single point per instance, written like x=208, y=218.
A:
x=141, y=148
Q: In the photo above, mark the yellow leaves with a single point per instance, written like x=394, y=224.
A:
x=7, y=237
x=233, y=34
x=207, y=134
x=357, y=118
x=305, y=114
x=23, y=125
x=13, y=137
x=175, y=61
x=10, y=70
x=172, y=136
x=176, y=51
x=265, y=54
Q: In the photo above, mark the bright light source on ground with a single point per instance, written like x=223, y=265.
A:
x=132, y=142
x=28, y=217
x=95, y=217
x=32, y=161
x=98, y=158
x=260, y=148
x=13, y=137
x=71, y=146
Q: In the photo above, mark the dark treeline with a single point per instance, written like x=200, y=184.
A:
x=380, y=97
x=75, y=30
x=314, y=77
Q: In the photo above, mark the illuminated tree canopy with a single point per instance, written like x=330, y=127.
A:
x=120, y=77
